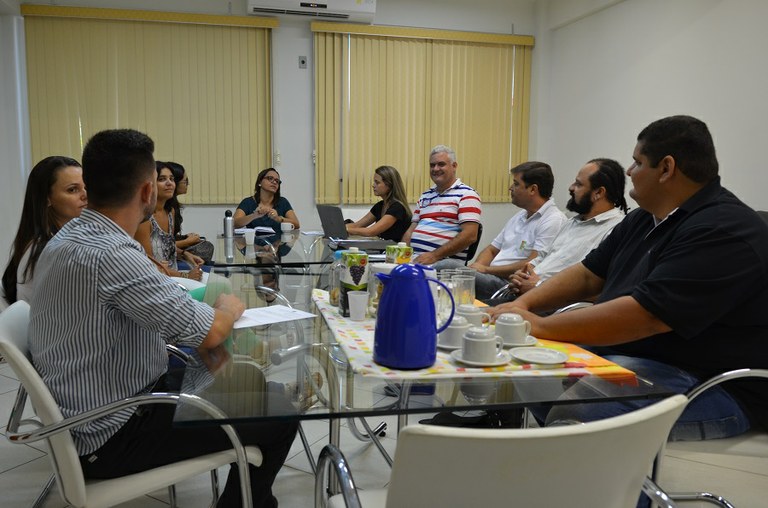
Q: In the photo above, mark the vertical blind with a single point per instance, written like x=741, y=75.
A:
x=387, y=95
x=198, y=85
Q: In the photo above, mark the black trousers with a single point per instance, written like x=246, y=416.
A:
x=150, y=440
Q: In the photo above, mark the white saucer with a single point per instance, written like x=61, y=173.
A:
x=529, y=341
x=538, y=355
x=446, y=347
x=501, y=359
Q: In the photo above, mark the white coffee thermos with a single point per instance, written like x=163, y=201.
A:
x=229, y=224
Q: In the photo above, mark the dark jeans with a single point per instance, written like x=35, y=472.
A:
x=150, y=440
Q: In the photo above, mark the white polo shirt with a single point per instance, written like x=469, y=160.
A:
x=524, y=234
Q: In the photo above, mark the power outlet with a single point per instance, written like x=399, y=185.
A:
x=302, y=62
x=277, y=158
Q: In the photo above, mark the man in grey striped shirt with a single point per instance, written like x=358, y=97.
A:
x=101, y=314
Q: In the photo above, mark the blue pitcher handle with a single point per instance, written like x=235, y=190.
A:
x=453, y=304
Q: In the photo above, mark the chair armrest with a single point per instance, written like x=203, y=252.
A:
x=574, y=306
x=331, y=456
x=139, y=400
x=727, y=376
x=179, y=354
x=657, y=495
x=502, y=292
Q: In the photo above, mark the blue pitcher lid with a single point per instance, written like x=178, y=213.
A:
x=408, y=271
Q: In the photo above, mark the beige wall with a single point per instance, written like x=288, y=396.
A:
x=603, y=69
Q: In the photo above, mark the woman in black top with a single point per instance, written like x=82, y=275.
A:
x=389, y=218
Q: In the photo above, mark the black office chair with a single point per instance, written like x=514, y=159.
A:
x=472, y=249
x=763, y=215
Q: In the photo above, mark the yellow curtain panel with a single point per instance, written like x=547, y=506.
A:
x=200, y=89
x=387, y=95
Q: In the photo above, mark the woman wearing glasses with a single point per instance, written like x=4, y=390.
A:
x=266, y=207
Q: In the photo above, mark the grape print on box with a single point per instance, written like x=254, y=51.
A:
x=354, y=277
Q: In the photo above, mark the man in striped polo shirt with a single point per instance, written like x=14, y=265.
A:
x=447, y=216
x=101, y=315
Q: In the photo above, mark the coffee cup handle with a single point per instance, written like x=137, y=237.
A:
x=499, y=344
x=487, y=322
x=527, y=328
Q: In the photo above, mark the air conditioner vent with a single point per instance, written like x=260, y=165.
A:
x=361, y=11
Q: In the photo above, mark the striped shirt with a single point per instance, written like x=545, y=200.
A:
x=101, y=314
x=439, y=217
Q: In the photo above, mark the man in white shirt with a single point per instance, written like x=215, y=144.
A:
x=597, y=196
x=527, y=233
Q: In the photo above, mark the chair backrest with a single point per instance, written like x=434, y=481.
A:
x=472, y=249
x=601, y=463
x=14, y=323
x=763, y=215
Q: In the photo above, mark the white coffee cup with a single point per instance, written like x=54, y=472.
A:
x=472, y=314
x=480, y=345
x=250, y=236
x=286, y=226
x=452, y=336
x=513, y=328
x=358, y=305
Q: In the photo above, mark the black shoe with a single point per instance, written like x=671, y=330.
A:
x=453, y=420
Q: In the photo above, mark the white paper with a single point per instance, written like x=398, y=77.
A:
x=258, y=229
x=267, y=315
x=312, y=233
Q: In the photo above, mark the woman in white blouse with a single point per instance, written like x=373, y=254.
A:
x=55, y=194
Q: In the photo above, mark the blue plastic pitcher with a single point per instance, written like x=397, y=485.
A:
x=406, y=326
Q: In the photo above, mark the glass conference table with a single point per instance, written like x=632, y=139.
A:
x=245, y=377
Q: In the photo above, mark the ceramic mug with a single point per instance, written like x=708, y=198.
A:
x=286, y=226
x=452, y=336
x=480, y=345
x=513, y=328
x=472, y=314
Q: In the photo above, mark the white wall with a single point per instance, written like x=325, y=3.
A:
x=605, y=76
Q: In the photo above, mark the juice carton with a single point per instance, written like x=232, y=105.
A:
x=399, y=254
x=354, y=276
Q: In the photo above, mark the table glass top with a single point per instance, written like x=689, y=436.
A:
x=298, y=370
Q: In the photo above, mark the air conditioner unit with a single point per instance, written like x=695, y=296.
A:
x=357, y=11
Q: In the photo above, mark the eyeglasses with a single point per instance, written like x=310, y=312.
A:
x=185, y=181
x=273, y=179
x=440, y=164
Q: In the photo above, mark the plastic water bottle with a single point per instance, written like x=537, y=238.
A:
x=334, y=287
x=229, y=224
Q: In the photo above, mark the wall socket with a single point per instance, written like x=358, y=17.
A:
x=302, y=62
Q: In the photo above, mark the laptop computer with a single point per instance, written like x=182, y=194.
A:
x=335, y=231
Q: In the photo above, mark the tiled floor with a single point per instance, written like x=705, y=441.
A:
x=24, y=469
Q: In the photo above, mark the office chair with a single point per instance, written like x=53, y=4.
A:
x=601, y=463
x=53, y=428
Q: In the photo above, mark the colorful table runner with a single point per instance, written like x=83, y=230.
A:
x=356, y=339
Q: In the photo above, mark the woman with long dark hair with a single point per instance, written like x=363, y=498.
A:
x=389, y=218
x=156, y=234
x=55, y=194
x=266, y=207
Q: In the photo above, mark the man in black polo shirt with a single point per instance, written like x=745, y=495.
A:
x=683, y=285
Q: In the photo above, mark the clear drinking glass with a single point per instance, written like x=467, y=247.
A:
x=463, y=289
